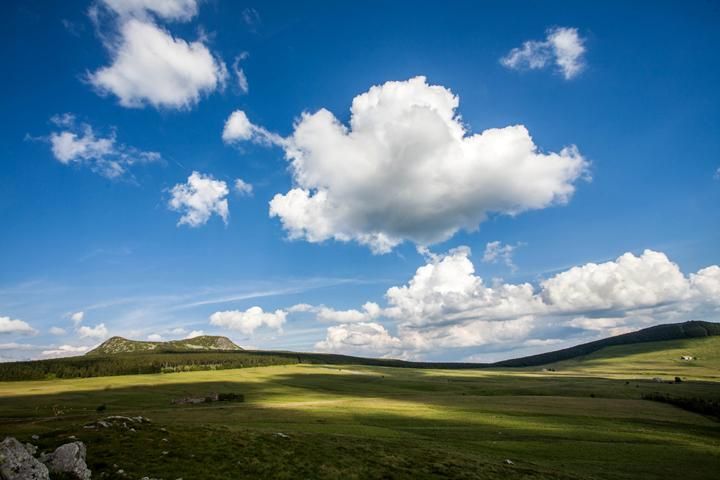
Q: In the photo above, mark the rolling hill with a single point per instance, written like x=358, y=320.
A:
x=120, y=356
x=659, y=333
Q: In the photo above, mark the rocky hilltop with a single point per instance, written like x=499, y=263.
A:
x=116, y=345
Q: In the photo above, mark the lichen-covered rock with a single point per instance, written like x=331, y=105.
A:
x=69, y=459
x=17, y=463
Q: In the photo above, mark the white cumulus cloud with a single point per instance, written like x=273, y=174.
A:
x=249, y=320
x=150, y=66
x=446, y=305
x=57, y=331
x=195, y=333
x=99, y=331
x=199, y=198
x=239, y=128
x=406, y=168
x=562, y=46
x=9, y=325
x=628, y=282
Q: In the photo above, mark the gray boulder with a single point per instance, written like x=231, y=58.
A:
x=70, y=459
x=17, y=463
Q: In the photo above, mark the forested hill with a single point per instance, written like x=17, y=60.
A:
x=659, y=333
x=115, y=345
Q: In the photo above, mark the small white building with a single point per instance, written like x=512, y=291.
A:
x=687, y=358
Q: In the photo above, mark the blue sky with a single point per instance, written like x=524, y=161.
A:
x=582, y=138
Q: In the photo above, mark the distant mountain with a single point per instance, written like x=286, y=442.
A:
x=672, y=331
x=196, y=344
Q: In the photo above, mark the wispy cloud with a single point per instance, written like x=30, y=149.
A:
x=562, y=46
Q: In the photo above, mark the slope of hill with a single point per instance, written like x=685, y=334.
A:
x=696, y=358
x=659, y=333
x=115, y=345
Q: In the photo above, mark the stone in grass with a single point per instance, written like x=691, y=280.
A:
x=69, y=459
x=509, y=462
x=17, y=463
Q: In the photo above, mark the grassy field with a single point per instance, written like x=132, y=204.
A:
x=585, y=420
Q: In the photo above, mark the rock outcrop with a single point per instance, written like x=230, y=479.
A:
x=69, y=459
x=18, y=463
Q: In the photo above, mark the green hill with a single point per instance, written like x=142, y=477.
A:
x=652, y=359
x=659, y=333
x=116, y=345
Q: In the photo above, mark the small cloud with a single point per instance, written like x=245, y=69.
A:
x=57, y=331
x=562, y=46
x=155, y=337
x=252, y=19
x=9, y=325
x=242, y=80
x=238, y=128
x=78, y=144
x=195, y=333
x=200, y=198
x=77, y=318
x=72, y=28
x=17, y=346
x=99, y=332
x=498, y=252
x=65, y=351
x=249, y=320
x=242, y=187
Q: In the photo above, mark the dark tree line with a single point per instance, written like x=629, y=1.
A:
x=169, y=362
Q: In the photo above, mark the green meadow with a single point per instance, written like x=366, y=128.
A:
x=584, y=420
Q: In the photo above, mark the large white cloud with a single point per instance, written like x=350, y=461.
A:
x=407, y=168
x=562, y=46
x=10, y=325
x=629, y=282
x=199, y=198
x=249, y=320
x=152, y=67
x=77, y=144
x=445, y=305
